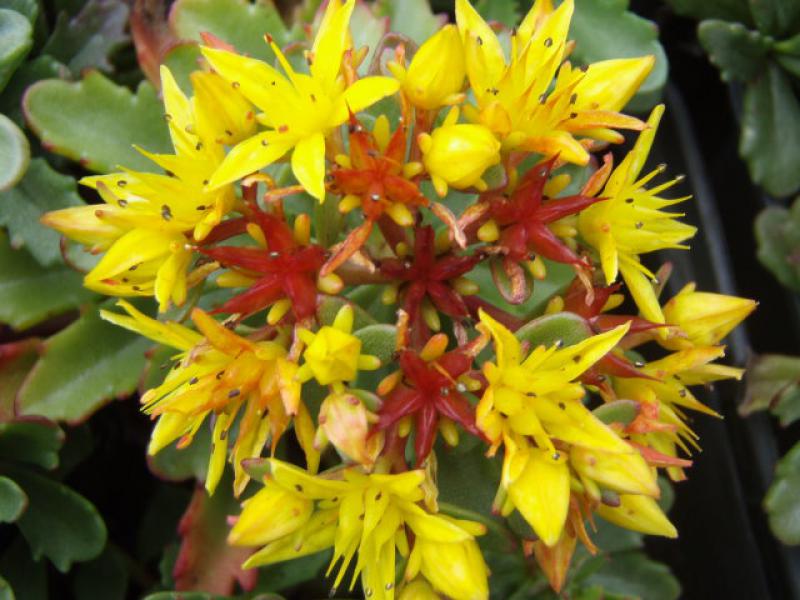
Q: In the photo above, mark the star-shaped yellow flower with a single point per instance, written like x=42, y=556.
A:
x=300, y=109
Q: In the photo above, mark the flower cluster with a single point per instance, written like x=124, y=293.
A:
x=580, y=422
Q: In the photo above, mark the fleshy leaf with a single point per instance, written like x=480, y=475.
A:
x=22, y=282
x=239, y=22
x=773, y=383
x=727, y=10
x=781, y=502
x=83, y=367
x=378, y=340
x=605, y=29
x=104, y=577
x=59, y=523
x=90, y=37
x=16, y=39
x=31, y=71
x=97, y=122
x=629, y=575
x=13, y=502
x=14, y=153
x=329, y=307
x=205, y=562
x=771, y=123
x=41, y=190
x=32, y=441
x=778, y=236
x=412, y=18
x=739, y=54
x=502, y=11
x=17, y=360
x=548, y=330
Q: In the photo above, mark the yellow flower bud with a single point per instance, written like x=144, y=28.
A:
x=272, y=513
x=419, y=589
x=639, y=513
x=457, y=155
x=344, y=421
x=436, y=74
x=704, y=318
x=627, y=473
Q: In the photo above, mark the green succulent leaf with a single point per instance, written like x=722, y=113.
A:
x=13, y=503
x=59, y=523
x=238, y=22
x=628, y=575
x=16, y=39
x=28, y=578
x=15, y=153
x=770, y=125
x=22, y=282
x=778, y=238
x=41, y=190
x=28, y=8
x=739, y=53
x=565, y=328
x=412, y=18
x=97, y=122
x=605, y=29
x=378, y=340
x=32, y=441
x=727, y=10
x=330, y=305
x=773, y=383
x=618, y=411
x=31, y=71
x=787, y=53
x=18, y=359
x=6, y=593
x=502, y=11
x=781, y=501
x=82, y=367
x=775, y=17
x=87, y=40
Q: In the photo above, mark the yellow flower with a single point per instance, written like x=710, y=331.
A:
x=537, y=398
x=143, y=224
x=455, y=568
x=367, y=516
x=703, y=318
x=333, y=354
x=632, y=222
x=300, y=109
x=223, y=374
x=458, y=154
x=519, y=99
x=667, y=393
x=436, y=74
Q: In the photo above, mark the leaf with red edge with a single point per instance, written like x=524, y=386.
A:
x=16, y=359
x=205, y=561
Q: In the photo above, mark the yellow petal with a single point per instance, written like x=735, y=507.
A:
x=643, y=292
x=541, y=494
x=364, y=93
x=169, y=334
x=609, y=84
x=308, y=165
x=249, y=156
x=506, y=346
x=482, y=50
x=331, y=41
x=270, y=514
x=639, y=513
